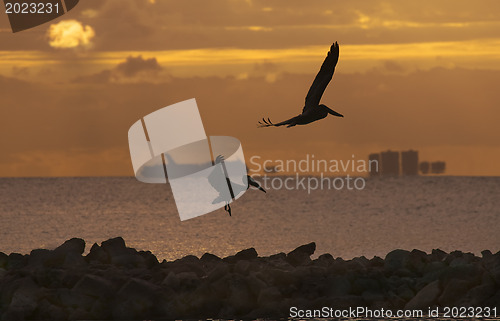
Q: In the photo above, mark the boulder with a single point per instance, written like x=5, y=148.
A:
x=94, y=286
x=207, y=257
x=301, y=255
x=97, y=254
x=248, y=254
x=16, y=261
x=438, y=255
x=396, y=260
x=491, y=263
x=324, y=260
x=25, y=298
x=426, y=297
x=4, y=260
x=115, y=247
x=74, y=245
x=454, y=291
x=338, y=285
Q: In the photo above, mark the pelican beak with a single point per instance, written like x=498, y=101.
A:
x=334, y=113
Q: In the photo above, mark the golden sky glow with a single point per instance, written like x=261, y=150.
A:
x=409, y=76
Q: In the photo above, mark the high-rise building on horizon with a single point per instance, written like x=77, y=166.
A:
x=389, y=163
x=374, y=164
x=409, y=162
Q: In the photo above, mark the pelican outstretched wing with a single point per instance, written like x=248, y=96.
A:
x=323, y=78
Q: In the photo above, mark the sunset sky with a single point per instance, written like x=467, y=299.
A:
x=421, y=75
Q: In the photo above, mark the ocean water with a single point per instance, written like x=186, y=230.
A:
x=450, y=213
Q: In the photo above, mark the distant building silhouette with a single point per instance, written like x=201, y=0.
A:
x=390, y=163
x=438, y=167
x=409, y=162
x=424, y=167
x=374, y=164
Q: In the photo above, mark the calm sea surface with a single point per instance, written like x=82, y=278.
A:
x=450, y=213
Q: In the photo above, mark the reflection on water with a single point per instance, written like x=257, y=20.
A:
x=415, y=212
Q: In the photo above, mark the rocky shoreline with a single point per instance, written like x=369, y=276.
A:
x=114, y=281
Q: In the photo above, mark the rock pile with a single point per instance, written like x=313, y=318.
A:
x=117, y=282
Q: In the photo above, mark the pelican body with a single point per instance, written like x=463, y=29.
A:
x=313, y=110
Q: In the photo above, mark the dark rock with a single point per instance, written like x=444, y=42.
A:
x=171, y=281
x=75, y=300
x=207, y=257
x=133, y=309
x=25, y=298
x=301, y=255
x=279, y=277
x=240, y=298
x=218, y=272
x=114, y=281
x=97, y=254
x=347, y=301
x=279, y=256
x=357, y=264
x=405, y=292
x=188, y=280
x=486, y=253
x=494, y=301
x=74, y=260
x=49, y=277
x=396, y=260
x=128, y=260
x=137, y=288
x=38, y=257
x=338, y=286
x=136, y=300
x=242, y=267
x=377, y=262
x=453, y=292
x=69, y=253
x=492, y=265
x=114, y=247
x=188, y=259
x=438, y=255
x=417, y=261
x=373, y=296
x=255, y=285
x=324, y=260
x=470, y=272
x=101, y=310
x=4, y=260
x=149, y=258
x=248, y=254
x=363, y=284
x=74, y=245
x=94, y=286
x=46, y=310
x=79, y=314
x=269, y=295
x=427, y=297
x=16, y=261
x=478, y=295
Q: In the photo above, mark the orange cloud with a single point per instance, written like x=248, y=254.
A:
x=70, y=34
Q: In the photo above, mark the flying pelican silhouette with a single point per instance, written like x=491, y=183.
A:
x=235, y=188
x=312, y=110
